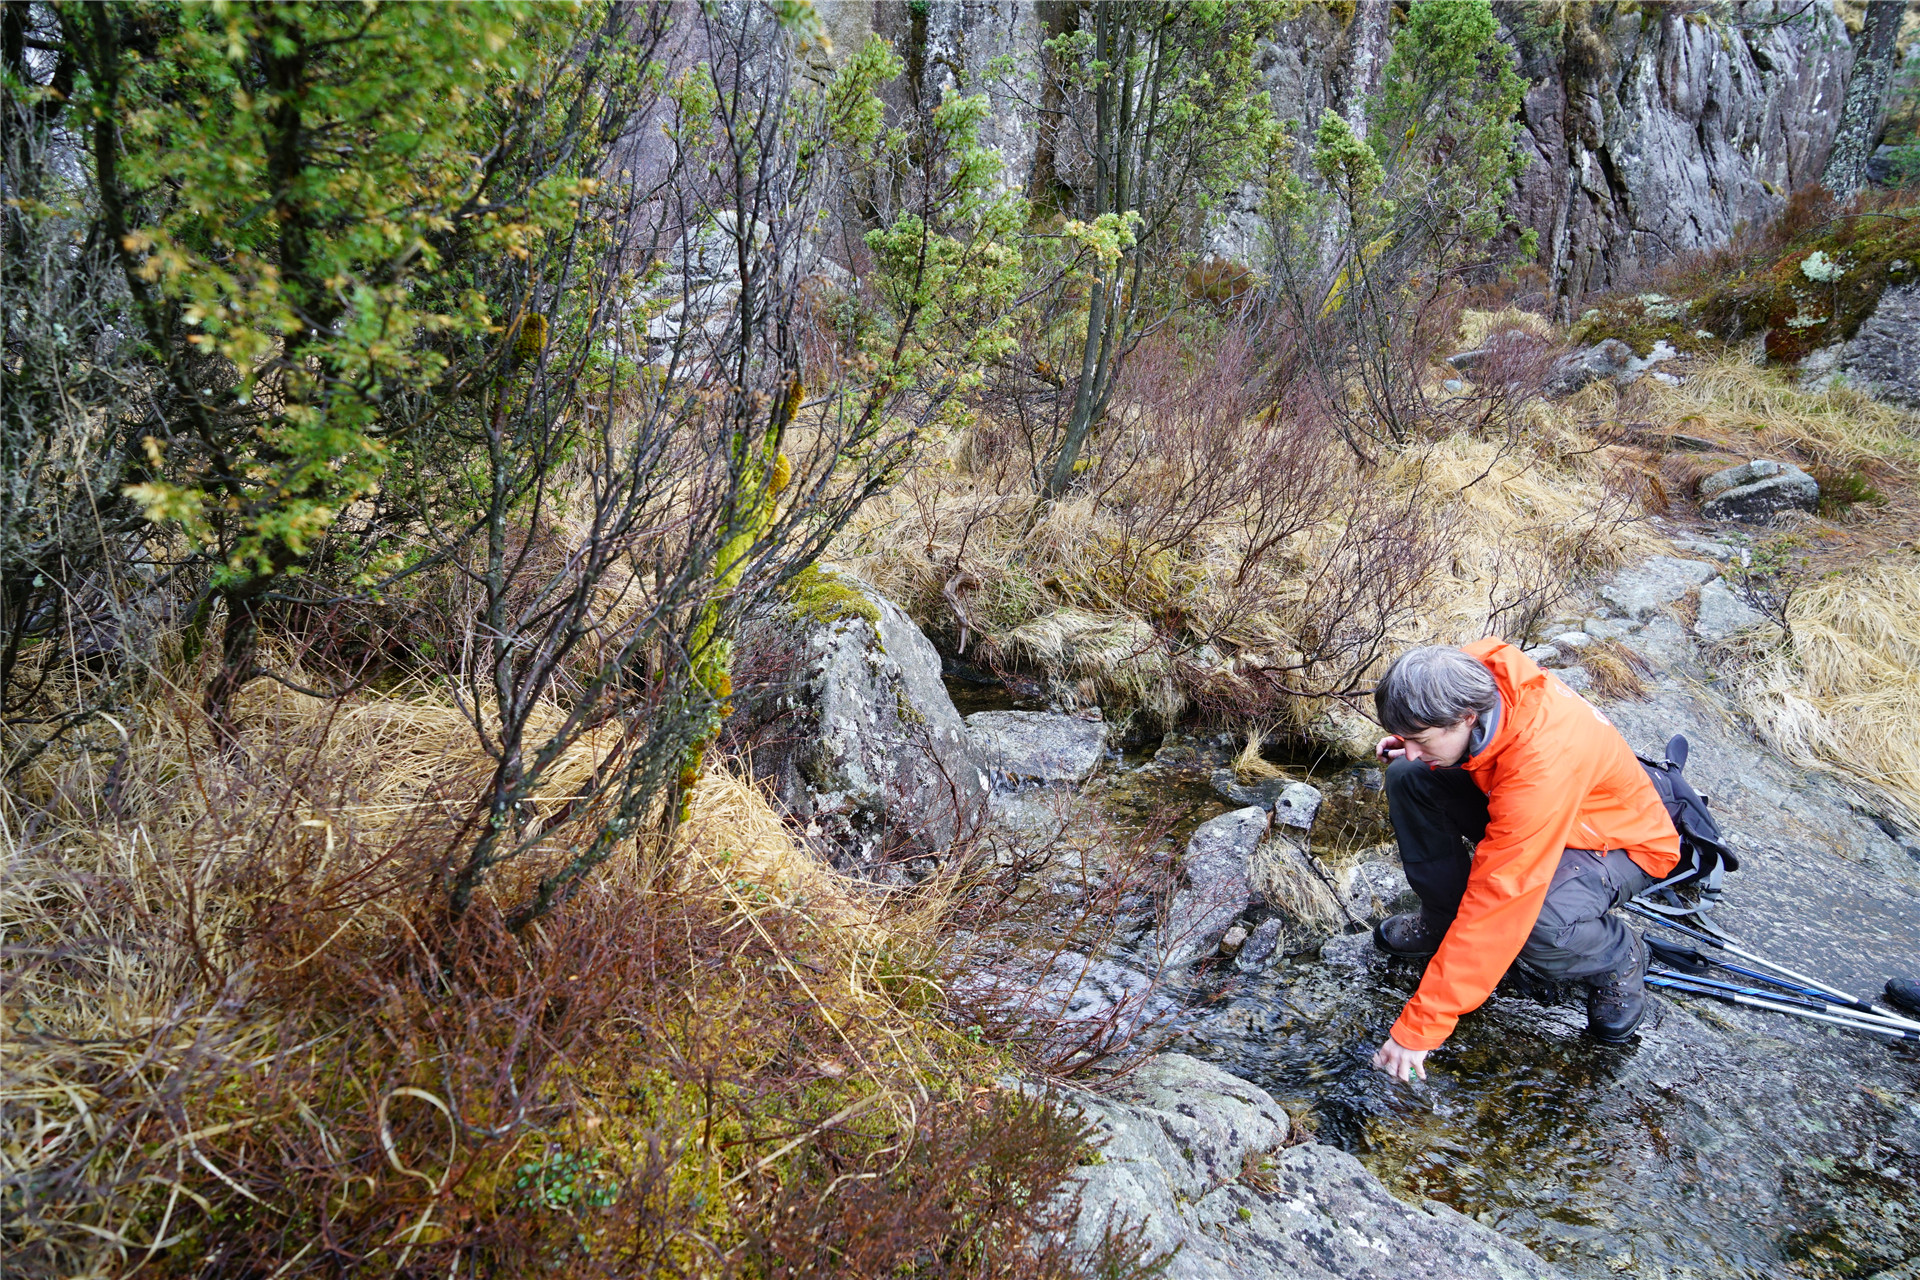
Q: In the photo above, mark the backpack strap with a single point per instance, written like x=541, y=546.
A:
x=1705, y=858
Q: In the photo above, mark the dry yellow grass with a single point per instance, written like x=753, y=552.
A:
x=1759, y=411
x=1478, y=326
x=1842, y=693
x=1061, y=591
x=133, y=1001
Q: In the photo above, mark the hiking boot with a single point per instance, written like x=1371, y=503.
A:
x=1411, y=934
x=1617, y=1001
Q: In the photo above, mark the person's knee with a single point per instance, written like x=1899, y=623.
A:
x=1553, y=946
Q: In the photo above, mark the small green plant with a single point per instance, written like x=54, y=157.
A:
x=1841, y=491
x=564, y=1180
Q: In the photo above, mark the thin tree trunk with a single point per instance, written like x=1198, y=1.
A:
x=239, y=659
x=1866, y=102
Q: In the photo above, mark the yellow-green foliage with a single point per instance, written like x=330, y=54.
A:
x=820, y=596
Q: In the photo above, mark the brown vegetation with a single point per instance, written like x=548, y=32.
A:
x=241, y=1036
x=1227, y=552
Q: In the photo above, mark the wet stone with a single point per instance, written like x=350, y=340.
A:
x=1194, y=1158
x=1263, y=793
x=1218, y=890
x=1297, y=805
x=1041, y=746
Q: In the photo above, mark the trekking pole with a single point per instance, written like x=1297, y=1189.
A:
x=1774, y=1006
x=1726, y=944
x=1691, y=963
x=1817, y=1006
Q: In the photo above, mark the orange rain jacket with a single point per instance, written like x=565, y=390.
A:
x=1557, y=775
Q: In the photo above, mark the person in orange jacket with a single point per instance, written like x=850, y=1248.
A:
x=1523, y=818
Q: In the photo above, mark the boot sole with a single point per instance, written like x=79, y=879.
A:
x=1381, y=945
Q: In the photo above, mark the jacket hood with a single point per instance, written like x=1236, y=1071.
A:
x=1522, y=685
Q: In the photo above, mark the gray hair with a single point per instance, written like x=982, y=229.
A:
x=1433, y=687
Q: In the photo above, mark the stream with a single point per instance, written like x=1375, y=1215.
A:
x=1719, y=1142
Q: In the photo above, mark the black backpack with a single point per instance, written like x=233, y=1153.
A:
x=1705, y=858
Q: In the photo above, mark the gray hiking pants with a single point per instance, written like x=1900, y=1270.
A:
x=1438, y=814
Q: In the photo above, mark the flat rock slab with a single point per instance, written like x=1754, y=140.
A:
x=1642, y=590
x=1042, y=746
x=1298, y=805
x=1723, y=613
x=1194, y=1158
x=1218, y=889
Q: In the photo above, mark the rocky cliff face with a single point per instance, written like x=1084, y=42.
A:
x=1653, y=129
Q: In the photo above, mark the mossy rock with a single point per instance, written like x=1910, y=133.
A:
x=1822, y=288
x=1642, y=320
x=817, y=595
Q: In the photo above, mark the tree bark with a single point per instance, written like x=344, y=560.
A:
x=1866, y=104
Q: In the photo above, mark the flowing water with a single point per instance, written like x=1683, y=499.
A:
x=1719, y=1143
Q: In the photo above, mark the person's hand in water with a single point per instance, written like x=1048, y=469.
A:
x=1401, y=1062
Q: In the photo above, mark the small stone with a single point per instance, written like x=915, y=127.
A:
x=1263, y=793
x=1233, y=940
x=1768, y=498
x=1453, y=386
x=1745, y=474
x=1465, y=360
x=1297, y=806
x=1257, y=951
x=1572, y=640
x=1607, y=628
x=1545, y=655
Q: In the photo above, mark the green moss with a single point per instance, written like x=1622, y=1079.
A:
x=815, y=595
x=1822, y=287
x=1642, y=319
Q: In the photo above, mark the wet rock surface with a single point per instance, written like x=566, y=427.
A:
x=1720, y=1141
x=1043, y=746
x=1218, y=887
x=1194, y=1156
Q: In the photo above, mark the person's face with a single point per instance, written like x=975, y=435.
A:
x=1441, y=746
